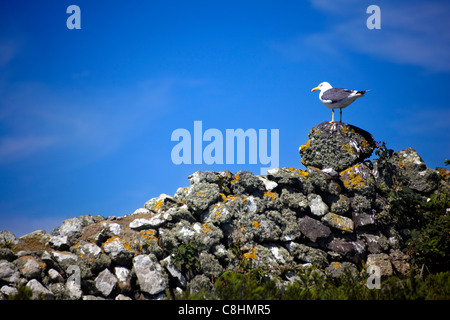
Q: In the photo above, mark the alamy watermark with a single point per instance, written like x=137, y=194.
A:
x=237, y=143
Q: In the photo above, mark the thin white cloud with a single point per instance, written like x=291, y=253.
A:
x=413, y=33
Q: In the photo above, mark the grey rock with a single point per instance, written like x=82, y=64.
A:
x=316, y=205
x=304, y=253
x=341, y=223
x=150, y=274
x=119, y=251
x=201, y=195
x=30, y=267
x=8, y=272
x=8, y=291
x=336, y=145
x=382, y=261
x=364, y=221
x=247, y=183
x=419, y=177
x=7, y=254
x=291, y=177
x=123, y=276
x=313, y=229
x=351, y=250
x=73, y=290
x=173, y=271
x=337, y=269
x=210, y=265
x=39, y=292
x=7, y=239
x=105, y=282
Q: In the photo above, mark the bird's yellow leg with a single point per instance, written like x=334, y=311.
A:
x=332, y=115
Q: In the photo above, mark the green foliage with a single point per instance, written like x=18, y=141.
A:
x=24, y=293
x=186, y=258
x=382, y=151
x=314, y=285
x=447, y=162
x=403, y=205
x=429, y=243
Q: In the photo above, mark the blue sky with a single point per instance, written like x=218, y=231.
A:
x=86, y=116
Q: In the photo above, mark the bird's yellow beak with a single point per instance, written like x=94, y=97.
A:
x=314, y=89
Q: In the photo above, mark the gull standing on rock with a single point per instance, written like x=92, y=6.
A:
x=336, y=98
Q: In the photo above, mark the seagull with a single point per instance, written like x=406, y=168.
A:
x=336, y=98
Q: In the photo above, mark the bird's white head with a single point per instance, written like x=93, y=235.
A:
x=322, y=87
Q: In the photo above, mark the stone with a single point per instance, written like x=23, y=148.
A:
x=161, y=203
x=123, y=276
x=201, y=195
x=341, y=223
x=313, y=229
x=55, y=276
x=105, y=282
x=316, y=205
x=337, y=269
x=382, y=261
x=39, y=292
x=119, y=250
x=351, y=250
x=364, y=221
x=358, y=179
x=399, y=261
x=291, y=177
x=419, y=177
x=8, y=272
x=72, y=228
x=150, y=275
x=73, y=290
x=8, y=291
x=210, y=265
x=246, y=182
x=7, y=239
x=337, y=146
x=7, y=254
x=173, y=271
x=307, y=254
x=30, y=267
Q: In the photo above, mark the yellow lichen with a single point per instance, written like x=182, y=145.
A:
x=348, y=148
x=351, y=179
x=236, y=178
x=306, y=145
x=255, y=224
x=207, y=229
x=345, y=129
x=250, y=255
x=224, y=197
x=270, y=194
x=158, y=205
x=336, y=265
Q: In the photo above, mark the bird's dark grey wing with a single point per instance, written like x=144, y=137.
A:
x=336, y=94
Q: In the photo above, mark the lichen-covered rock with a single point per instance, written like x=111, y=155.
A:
x=341, y=223
x=119, y=250
x=419, y=177
x=291, y=177
x=38, y=291
x=382, y=261
x=358, y=179
x=336, y=145
x=201, y=195
x=30, y=267
x=306, y=254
